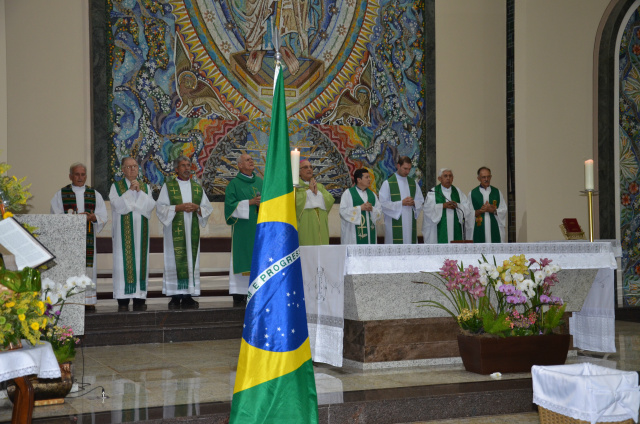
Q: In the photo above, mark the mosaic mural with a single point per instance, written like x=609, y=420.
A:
x=629, y=127
x=194, y=77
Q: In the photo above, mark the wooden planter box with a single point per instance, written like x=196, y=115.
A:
x=486, y=355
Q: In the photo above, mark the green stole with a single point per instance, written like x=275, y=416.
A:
x=443, y=233
x=243, y=231
x=363, y=232
x=478, y=200
x=128, y=244
x=69, y=203
x=178, y=231
x=394, y=191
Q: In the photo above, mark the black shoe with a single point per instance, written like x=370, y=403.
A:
x=239, y=299
x=189, y=303
x=89, y=308
x=139, y=305
x=123, y=308
x=174, y=303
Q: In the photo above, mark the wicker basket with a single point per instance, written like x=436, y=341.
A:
x=550, y=417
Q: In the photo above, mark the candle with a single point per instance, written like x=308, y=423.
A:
x=295, y=166
x=588, y=174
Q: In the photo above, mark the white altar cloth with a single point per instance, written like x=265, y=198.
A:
x=587, y=392
x=38, y=360
x=323, y=277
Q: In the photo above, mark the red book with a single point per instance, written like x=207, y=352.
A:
x=571, y=225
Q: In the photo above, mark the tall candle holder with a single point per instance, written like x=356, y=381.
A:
x=590, y=193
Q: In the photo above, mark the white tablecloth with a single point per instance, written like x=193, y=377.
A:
x=587, y=392
x=323, y=276
x=38, y=360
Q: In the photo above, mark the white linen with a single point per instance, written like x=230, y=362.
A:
x=142, y=205
x=323, y=278
x=38, y=359
x=592, y=328
x=91, y=293
x=501, y=217
x=351, y=216
x=587, y=392
x=432, y=214
x=166, y=212
x=393, y=210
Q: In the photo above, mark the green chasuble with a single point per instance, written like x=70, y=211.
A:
x=363, y=233
x=128, y=243
x=243, y=231
x=178, y=228
x=394, y=192
x=477, y=199
x=313, y=224
x=443, y=234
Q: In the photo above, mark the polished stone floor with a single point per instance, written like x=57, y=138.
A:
x=180, y=377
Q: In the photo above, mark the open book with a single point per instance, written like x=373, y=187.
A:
x=27, y=250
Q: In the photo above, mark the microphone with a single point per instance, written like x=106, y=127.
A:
x=258, y=205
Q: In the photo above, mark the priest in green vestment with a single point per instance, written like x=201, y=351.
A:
x=445, y=211
x=490, y=219
x=359, y=211
x=79, y=198
x=401, y=200
x=182, y=208
x=241, y=203
x=313, y=203
x=131, y=207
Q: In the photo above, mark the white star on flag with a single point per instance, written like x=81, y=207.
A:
x=293, y=330
x=270, y=259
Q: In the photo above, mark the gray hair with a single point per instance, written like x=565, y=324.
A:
x=239, y=158
x=179, y=159
x=75, y=165
x=441, y=171
x=125, y=158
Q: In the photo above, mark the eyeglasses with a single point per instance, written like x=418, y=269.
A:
x=131, y=167
x=305, y=167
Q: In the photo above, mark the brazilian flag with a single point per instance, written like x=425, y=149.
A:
x=275, y=381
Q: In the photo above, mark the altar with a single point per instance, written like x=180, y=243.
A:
x=385, y=327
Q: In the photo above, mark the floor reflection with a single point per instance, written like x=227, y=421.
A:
x=180, y=377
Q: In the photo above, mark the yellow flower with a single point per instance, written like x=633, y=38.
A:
x=44, y=322
x=10, y=304
x=6, y=215
x=35, y=326
x=21, y=317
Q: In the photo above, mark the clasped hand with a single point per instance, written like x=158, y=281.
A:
x=187, y=207
x=366, y=207
x=408, y=201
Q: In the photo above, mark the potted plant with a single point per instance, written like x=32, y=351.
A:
x=509, y=319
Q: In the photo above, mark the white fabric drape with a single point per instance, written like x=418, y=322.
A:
x=38, y=359
x=323, y=277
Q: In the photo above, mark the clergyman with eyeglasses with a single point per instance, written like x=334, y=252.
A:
x=313, y=203
x=131, y=207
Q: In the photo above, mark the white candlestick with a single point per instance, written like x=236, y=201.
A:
x=295, y=166
x=588, y=174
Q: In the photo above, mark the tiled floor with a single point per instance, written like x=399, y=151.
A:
x=137, y=377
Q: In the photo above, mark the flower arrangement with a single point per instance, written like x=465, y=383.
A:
x=55, y=297
x=13, y=194
x=513, y=299
x=21, y=316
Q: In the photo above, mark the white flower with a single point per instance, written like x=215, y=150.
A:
x=539, y=276
x=86, y=281
x=48, y=284
x=498, y=284
x=518, y=277
x=527, y=288
x=54, y=297
x=71, y=282
x=483, y=279
x=507, y=276
x=494, y=274
x=486, y=268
